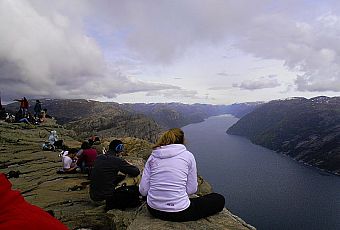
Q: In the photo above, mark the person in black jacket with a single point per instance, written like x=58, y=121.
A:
x=104, y=178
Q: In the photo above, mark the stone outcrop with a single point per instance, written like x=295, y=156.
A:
x=67, y=195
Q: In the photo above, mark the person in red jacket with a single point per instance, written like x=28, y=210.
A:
x=86, y=157
x=17, y=214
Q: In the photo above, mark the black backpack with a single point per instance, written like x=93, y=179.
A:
x=125, y=196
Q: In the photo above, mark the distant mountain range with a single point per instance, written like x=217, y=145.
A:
x=106, y=119
x=305, y=129
x=170, y=115
x=145, y=121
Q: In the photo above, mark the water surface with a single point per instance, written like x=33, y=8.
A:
x=265, y=188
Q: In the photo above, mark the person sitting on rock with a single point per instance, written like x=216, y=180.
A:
x=16, y=213
x=46, y=114
x=104, y=178
x=69, y=159
x=86, y=157
x=98, y=146
x=169, y=177
x=54, y=140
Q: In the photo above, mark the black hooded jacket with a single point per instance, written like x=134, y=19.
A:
x=104, y=175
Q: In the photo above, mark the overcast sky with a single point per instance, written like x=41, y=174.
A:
x=190, y=51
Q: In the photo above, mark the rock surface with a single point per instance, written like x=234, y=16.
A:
x=67, y=195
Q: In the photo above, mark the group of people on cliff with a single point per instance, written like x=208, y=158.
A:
x=78, y=160
x=168, y=179
x=23, y=115
x=168, y=183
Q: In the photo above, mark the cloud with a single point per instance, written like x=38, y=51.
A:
x=307, y=42
x=224, y=74
x=58, y=49
x=176, y=94
x=308, y=47
x=162, y=32
x=45, y=52
x=261, y=83
x=220, y=88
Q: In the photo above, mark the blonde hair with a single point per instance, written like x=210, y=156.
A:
x=172, y=136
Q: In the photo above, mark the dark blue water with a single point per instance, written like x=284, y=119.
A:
x=266, y=189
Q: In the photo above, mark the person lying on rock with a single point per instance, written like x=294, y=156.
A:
x=104, y=178
x=169, y=177
x=16, y=213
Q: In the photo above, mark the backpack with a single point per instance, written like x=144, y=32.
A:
x=125, y=196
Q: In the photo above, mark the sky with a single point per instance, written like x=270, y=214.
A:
x=189, y=51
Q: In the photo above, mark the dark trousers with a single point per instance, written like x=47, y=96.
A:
x=200, y=207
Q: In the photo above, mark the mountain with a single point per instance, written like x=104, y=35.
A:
x=241, y=109
x=172, y=115
x=145, y=121
x=117, y=123
x=105, y=119
x=305, y=129
x=67, y=110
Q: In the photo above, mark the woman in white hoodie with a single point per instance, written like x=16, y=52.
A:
x=169, y=177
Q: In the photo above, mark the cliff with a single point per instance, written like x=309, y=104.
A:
x=306, y=129
x=140, y=120
x=67, y=195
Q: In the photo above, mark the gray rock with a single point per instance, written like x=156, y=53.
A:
x=223, y=220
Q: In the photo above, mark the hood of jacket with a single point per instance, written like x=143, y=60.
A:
x=168, y=151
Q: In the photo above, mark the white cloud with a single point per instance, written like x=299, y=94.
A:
x=260, y=83
x=176, y=94
x=89, y=48
x=44, y=53
x=308, y=47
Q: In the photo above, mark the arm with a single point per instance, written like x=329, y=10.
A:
x=192, y=177
x=144, y=185
x=80, y=153
x=128, y=168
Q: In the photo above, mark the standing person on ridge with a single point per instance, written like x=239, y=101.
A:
x=169, y=177
x=37, y=108
x=23, y=106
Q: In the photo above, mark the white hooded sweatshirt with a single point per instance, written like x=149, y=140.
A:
x=169, y=176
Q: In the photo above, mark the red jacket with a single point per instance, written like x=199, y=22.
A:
x=17, y=214
x=89, y=156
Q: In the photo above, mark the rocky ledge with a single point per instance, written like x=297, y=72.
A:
x=67, y=195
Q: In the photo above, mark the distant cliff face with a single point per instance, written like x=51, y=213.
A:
x=104, y=119
x=145, y=121
x=114, y=124
x=308, y=130
x=171, y=115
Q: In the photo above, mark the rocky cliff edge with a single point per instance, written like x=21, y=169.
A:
x=67, y=195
